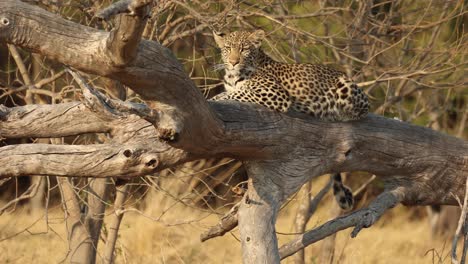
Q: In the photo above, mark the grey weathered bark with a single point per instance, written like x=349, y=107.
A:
x=83, y=228
x=151, y=74
x=426, y=167
x=84, y=235
x=462, y=227
x=226, y=224
x=38, y=198
x=78, y=239
x=360, y=219
x=114, y=225
x=28, y=194
x=306, y=210
x=327, y=251
x=257, y=213
x=302, y=217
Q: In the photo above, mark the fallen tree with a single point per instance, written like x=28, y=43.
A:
x=281, y=152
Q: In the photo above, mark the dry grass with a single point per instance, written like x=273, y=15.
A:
x=175, y=239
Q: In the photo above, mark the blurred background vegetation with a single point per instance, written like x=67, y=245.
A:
x=408, y=56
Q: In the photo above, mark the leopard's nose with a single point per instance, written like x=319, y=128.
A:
x=233, y=62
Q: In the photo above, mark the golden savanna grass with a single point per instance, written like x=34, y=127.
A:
x=174, y=238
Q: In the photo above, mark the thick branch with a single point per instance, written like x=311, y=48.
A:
x=125, y=6
x=434, y=165
x=103, y=160
x=49, y=121
x=154, y=73
x=126, y=36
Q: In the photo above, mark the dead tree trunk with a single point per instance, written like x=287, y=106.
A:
x=282, y=152
x=83, y=227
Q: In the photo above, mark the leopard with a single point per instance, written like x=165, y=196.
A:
x=252, y=76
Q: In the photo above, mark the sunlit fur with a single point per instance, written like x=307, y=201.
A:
x=252, y=76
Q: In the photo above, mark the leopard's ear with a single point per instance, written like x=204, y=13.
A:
x=219, y=38
x=257, y=37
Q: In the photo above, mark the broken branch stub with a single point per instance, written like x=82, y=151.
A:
x=123, y=41
x=133, y=7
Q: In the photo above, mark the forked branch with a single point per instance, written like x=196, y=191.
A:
x=362, y=218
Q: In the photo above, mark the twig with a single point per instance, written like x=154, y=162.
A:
x=30, y=192
x=364, y=185
x=2, y=181
x=19, y=62
x=316, y=200
x=461, y=225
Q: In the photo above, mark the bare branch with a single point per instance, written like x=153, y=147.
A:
x=404, y=156
x=123, y=6
x=116, y=219
x=112, y=109
x=30, y=192
x=248, y=135
x=124, y=39
x=35, y=88
x=226, y=224
x=461, y=226
x=104, y=160
x=302, y=217
x=362, y=218
x=49, y=121
x=364, y=186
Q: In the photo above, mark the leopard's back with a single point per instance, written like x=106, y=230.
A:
x=316, y=89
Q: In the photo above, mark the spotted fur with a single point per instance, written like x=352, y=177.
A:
x=343, y=194
x=252, y=76
x=323, y=92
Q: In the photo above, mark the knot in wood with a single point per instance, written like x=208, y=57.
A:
x=127, y=153
x=4, y=21
x=247, y=199
x=124, y=38
x=152, y=163
x=347, y=153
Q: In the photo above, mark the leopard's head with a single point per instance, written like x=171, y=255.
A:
x=240, y=49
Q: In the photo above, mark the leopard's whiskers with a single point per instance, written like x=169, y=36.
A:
x=219, y=67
